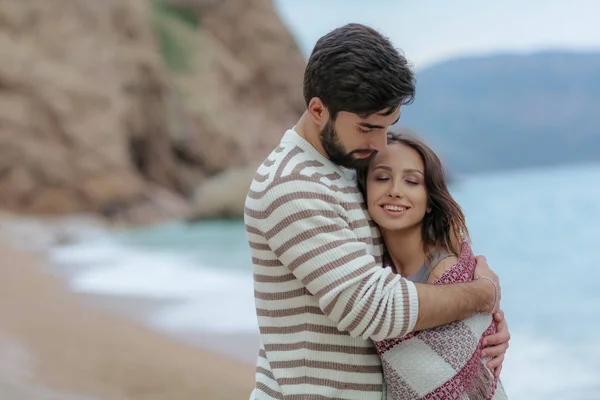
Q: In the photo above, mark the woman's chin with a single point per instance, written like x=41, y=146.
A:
x=392, y=226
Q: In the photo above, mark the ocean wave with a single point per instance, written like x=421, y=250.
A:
x=542, y=368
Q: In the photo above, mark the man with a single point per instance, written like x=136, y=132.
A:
x=321, y=293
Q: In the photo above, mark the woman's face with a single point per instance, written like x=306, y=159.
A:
x=396, y=195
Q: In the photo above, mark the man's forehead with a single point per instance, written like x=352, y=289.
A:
x=383, y=117
x=384, y=114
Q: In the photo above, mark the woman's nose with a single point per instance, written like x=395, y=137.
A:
x=396, y=191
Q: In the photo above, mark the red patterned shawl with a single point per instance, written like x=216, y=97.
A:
x=443, y=363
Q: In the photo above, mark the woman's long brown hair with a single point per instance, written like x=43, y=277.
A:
x=444, y=225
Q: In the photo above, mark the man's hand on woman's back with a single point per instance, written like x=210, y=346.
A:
x=495, y=345
x=484, y=273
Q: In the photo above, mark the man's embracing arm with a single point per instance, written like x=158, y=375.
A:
x=305, y=225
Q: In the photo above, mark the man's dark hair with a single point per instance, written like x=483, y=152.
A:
x=355, y=69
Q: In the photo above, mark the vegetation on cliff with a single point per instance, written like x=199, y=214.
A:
x=125, y=108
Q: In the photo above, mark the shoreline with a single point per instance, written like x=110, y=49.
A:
x=242, y=347
x=97, y=347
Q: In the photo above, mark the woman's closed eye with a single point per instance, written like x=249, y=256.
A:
x=382, y=178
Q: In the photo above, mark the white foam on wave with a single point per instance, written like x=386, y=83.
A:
x=227, y=312
x=121, y=270
x=213, y=298
x=87, y=253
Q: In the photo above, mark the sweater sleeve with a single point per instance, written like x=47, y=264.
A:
x=307, y=228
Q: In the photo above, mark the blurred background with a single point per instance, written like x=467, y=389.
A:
x=129, y=133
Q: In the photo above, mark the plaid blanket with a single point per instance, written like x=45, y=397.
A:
x=443, y=363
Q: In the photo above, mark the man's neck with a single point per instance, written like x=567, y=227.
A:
x=309, y=131
x=405, y=249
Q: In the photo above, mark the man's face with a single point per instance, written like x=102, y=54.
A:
x=352, y=139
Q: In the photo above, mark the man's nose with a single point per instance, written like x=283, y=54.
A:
x=379, y=141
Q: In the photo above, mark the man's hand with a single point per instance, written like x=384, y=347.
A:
x=484, y=273
x=498, y=344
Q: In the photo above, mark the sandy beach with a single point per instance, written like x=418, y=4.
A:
x=55, y=344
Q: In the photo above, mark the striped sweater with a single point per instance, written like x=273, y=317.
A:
x=321, y=294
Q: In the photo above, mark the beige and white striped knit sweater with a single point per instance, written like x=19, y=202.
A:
x=321, y=293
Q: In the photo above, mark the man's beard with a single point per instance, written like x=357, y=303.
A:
x=336, y=151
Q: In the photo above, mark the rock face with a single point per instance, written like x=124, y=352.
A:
x=243, y=85
x=223, y=195
x=95, y=117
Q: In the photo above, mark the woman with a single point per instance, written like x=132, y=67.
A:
x=426, y=240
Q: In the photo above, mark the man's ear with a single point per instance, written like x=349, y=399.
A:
x=318, y=112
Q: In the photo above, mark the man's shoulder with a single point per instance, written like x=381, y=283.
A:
x=290, y=162
x=291, y=173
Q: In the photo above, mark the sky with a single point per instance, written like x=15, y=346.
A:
x=429, y=31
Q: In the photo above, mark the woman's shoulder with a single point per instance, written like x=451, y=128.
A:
x=462, y=265
x=440, y=266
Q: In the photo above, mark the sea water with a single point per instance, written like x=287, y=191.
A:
x=539, y=229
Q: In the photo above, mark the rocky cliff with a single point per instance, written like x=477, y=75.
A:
x=125, y=108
